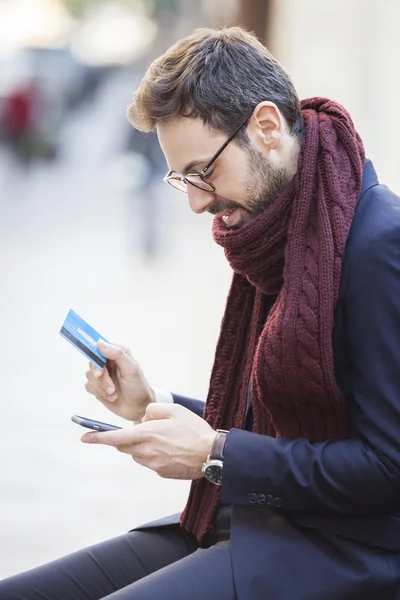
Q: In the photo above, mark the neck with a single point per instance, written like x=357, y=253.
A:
x=291, y=156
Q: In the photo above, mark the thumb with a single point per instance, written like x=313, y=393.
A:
x=113, y=352
x=159, y=410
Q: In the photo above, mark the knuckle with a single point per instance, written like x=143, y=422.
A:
x=124, y=349
x=115, y=442
x=139, y=461
x=102, y=390
x=150, y=409
x=156, y=465
x=119, y=351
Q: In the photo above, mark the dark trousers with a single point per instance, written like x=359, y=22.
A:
x=162, y=562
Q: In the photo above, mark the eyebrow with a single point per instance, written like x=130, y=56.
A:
x=194, y=163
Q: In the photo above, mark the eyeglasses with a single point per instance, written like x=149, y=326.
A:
x=180, y=182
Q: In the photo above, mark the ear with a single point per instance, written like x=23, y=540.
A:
x=266, y=127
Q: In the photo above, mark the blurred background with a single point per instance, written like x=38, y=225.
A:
x=86, y=223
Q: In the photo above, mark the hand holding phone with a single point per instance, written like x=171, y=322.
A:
x=92, y=424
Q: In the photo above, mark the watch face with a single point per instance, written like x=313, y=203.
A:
x=213, y=472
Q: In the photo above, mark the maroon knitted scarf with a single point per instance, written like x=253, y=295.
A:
x=293, y=250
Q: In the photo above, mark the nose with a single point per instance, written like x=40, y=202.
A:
x=199, y=200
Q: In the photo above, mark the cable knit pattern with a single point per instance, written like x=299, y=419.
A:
x=293, y=250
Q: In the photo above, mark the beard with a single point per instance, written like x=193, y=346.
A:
x=262, y=186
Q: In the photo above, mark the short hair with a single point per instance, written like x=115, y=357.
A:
x=219, y=75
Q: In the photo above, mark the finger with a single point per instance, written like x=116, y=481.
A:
x=106, y=400
x=120, y=355
x=89, y=388
x=105, y=386
x=160, y=410
x=96, y=371
x=149, y=463
x=104, y=376
x=120, y=438
x=140, y=461
x=125, y=349
x=93, y=388
x=107, y=383
x=90, y=377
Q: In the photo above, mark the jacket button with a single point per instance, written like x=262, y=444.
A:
x=261, y=498
x=277, y=502
x=252, y=498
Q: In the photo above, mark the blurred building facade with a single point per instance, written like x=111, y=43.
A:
x=348, y=51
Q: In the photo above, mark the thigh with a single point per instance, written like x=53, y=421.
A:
x=100, y=570
x=207, y=573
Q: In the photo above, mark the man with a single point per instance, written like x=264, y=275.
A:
x=295, y=461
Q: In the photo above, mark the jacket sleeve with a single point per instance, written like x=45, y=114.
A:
x=359, y=475
x=196, y=406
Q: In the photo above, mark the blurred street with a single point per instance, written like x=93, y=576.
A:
x=87, y=223
x=70, y=238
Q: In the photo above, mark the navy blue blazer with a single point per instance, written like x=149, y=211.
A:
x=322, y=520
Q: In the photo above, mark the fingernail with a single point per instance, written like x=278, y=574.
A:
x=110, y=390
x=102, y=344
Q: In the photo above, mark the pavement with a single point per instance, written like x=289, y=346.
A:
x=70, y=238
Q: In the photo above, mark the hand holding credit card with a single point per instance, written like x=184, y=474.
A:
x=115, y=379
x=83, y=337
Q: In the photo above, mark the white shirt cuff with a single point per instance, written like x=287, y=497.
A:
x=163, y=396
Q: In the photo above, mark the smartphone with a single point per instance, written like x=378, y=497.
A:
x=92, y=424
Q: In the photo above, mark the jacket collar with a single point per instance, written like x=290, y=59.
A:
x=369, y=178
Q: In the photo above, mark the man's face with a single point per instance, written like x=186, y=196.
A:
x=245, y=180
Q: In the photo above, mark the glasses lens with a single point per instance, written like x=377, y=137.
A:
x=178, y=184
x=200, y=183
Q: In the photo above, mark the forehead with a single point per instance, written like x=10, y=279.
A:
x=185, y=139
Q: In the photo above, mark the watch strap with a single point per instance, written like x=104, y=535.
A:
x=217, y=449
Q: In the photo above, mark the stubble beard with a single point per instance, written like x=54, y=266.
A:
x=263, y=185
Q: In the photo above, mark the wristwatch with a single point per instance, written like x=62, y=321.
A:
x=212, y=468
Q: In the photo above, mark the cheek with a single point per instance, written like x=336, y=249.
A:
x=232, y=188
x=232, y=182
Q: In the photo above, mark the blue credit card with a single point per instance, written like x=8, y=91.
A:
x=78, y=333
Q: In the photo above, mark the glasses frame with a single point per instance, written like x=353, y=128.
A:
x=172, y=176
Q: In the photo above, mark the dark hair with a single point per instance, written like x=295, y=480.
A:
x=219, y=75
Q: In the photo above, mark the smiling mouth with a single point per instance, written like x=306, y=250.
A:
x=231, y=217
x=225, y=217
